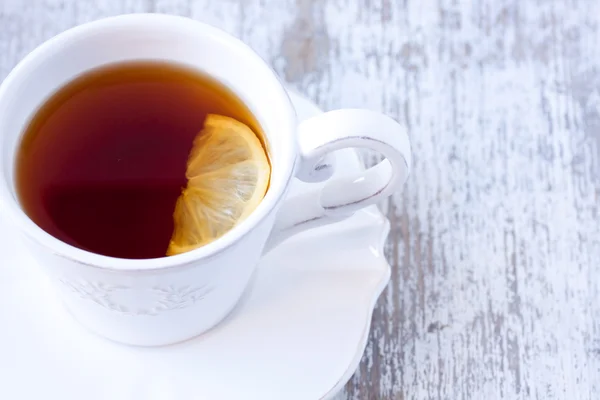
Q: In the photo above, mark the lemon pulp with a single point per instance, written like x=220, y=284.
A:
x=228, y=175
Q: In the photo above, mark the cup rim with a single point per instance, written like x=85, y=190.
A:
x=56, y=246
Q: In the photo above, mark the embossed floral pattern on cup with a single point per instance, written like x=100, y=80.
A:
x=138, y=301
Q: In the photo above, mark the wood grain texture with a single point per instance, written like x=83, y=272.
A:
x=495, y=241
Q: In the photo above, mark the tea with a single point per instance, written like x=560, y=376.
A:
x=103, y=161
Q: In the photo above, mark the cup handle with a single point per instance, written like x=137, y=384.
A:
x=318, y=138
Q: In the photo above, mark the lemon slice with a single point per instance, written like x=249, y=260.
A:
x=228, y=174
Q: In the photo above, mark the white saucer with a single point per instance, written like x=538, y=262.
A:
x=299, y=332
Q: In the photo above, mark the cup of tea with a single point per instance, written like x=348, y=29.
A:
x=133, y=137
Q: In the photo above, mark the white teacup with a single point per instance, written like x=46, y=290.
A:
x=170, y=299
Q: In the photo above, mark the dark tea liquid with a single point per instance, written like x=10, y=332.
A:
x=103, y=161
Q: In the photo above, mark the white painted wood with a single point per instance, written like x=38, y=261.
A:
x=496, y=239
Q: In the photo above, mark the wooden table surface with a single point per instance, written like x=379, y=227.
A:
x=495, y=241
